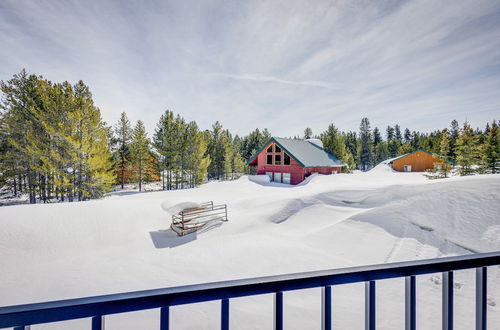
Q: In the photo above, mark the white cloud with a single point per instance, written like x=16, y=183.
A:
x=283, y=65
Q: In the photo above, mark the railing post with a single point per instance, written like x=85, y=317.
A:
x=98, y=322
x=481, y=303
x=164, y=318
x=278, y=311
x=224, y=324
x=410, y=303
x=447, y=301
x=370, y=305
x=326, y=308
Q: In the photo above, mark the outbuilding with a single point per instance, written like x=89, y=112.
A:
x=292, y=160
x=416, y=161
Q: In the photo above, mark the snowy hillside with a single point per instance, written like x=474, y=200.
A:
x=121, y=243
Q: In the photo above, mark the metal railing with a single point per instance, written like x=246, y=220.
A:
x=21, y=316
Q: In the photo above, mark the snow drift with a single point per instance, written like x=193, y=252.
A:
x=122, y=243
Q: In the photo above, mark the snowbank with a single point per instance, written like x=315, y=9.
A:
x=261, y=179
x=317, y=142
x=383, y=167
x=177, y=208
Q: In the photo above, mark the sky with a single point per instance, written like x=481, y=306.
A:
x=281, y=65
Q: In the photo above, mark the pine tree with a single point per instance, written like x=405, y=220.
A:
x=487, y=128
x=122, y=139
x=216, y=151
x=444, y=145
x=467, y=151
x=228, y=155
x=365, y=144
x=199, y=160
x=393, y=146
x=397, y=134
x=415, y=140
x=139, y=150
x=196, y=159
x=407, y=135
x=20, y=125
x=308, y=133
x=90, y=145
x=166, y=142
x=405, y=148
x=377, y=137
x=334, y=142
x=454, y=133
x=238, y=162
x=351, y=143
x=56, y=144
x=390, y=133
x=490, y=158
x=182, y=143
x=381, y=152
x=253, y=142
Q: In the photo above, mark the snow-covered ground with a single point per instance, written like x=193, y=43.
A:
x=122, y=243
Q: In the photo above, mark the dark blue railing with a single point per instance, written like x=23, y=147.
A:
x=21, y=316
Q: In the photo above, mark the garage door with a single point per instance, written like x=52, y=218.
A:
x=286, y=178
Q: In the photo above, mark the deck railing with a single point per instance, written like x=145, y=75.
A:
x=21, y=316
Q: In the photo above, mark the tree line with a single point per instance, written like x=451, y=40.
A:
x=55, y=145
x=53, y=141
x=473, y=151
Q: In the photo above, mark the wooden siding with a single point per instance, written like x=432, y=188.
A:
x=419, y=161
x=295, y=169
x=322, y=170
x=297, y=172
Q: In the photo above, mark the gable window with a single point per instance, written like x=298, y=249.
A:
x=270, y=149
x=286, y=159
x=277, y=159
x=269, y=160
x=277, y=148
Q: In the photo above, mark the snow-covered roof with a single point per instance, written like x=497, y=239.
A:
x=306, y=153
x=317, y=142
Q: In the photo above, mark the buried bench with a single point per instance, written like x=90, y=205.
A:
x=196, y=217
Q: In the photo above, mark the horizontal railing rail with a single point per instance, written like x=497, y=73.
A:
x=97, y=307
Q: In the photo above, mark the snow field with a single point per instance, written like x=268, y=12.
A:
x=122, y=243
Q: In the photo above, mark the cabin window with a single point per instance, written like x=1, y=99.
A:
x=277, y=148
x=286, y=159
x=269, y=160
x=277, y=159
x=270, y=149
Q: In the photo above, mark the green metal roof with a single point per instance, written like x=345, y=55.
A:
x=304, y=152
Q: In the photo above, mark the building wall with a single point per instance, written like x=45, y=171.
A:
x=419, y=161
x=322, y=170
x=295, y=169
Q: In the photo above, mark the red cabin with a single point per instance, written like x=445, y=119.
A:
x=292, y=160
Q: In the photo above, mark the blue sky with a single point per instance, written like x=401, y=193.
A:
x=284, y=65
